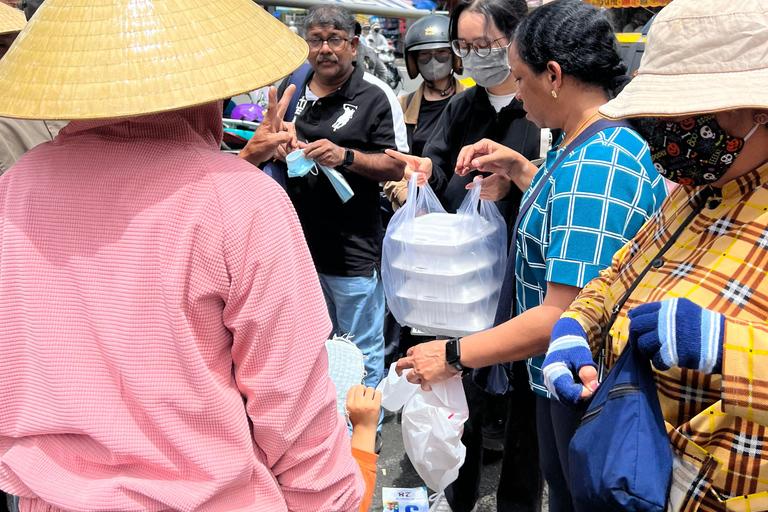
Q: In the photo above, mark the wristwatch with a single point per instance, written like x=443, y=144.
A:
x=349, y=157
x=453, y=354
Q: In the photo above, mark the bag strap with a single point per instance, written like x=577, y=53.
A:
x=504, y=311
x=703, y=195
x=409, y=100
x=298, y=78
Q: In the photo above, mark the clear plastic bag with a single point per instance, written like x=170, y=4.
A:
x=442, y=272
x=433, y=422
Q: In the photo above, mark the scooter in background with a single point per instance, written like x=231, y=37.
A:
x=394, y=76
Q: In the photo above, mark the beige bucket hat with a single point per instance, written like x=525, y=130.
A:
x=91, y=59
x=701, y=56
x=11, y=20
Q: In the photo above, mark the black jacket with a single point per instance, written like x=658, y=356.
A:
x=468, y=118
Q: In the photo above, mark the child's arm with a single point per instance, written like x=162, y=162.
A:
x=364, y=406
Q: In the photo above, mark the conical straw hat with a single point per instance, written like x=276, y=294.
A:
x=91, y=59
x=11, y=20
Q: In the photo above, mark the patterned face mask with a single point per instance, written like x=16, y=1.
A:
x=695, y=151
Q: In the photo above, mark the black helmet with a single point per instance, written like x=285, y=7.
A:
x=428, y=33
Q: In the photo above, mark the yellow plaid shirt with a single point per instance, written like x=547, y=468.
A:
x=720, y=262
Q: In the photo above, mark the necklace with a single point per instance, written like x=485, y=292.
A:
x=444, y=92
x=578, y=131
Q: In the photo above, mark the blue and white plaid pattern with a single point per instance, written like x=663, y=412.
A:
x=595, y=202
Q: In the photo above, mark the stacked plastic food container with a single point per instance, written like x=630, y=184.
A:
x=442, y=272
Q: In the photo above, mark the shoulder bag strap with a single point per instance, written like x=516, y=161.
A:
x=703, y=195
x=298, y=78
x=505, y=309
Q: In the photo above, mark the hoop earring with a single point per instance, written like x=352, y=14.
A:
x=761, y=118
x=554, y=94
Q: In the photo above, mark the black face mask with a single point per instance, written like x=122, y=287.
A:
x=695, y=151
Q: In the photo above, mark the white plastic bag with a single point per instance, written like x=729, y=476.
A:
x=442, y=272
x=433, y=422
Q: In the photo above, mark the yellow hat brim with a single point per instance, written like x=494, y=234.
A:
x=92, y=59
x=11, y=20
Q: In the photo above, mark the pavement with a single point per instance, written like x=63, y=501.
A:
x=396, y=470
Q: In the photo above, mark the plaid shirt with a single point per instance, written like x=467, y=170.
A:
x=719, y=262
x=592, y=204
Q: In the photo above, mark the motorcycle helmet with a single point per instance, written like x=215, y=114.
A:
x=428, y=33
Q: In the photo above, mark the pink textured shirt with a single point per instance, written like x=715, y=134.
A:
x=162, y=330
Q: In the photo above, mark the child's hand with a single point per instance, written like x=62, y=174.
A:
x=364, y=406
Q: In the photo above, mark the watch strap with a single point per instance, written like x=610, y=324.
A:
x=453, y=354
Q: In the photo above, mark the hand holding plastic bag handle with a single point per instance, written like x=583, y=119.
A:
x=433, y=422
x=413, y=164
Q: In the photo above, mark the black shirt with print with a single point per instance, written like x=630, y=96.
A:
x=345, y=239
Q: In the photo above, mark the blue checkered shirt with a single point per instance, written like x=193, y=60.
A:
x=596, y=201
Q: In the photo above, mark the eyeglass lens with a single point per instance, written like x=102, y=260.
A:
x=441, y=56
x=334, y=43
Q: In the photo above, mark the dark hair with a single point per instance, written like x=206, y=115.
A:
x=505, y=14
x=577, y=36
x=358, y=28
x=330, y=15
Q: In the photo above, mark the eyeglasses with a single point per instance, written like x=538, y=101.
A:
x=481, y=46
x=442, y=55
x=334, y=43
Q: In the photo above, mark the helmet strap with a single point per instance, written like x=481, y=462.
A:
x=443, y=92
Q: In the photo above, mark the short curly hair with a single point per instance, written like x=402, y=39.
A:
x=330, y=15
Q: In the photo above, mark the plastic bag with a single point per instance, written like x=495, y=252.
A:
x=442, y=272
x=433, y=422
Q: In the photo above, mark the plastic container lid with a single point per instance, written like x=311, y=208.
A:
x=458, y=266
x=442, y=230
x=468, y=294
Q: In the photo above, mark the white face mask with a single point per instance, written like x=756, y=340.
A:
x=488, y=71
x=434, y=70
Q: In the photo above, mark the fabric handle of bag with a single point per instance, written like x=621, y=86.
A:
x=505, y=311
x=704, y=195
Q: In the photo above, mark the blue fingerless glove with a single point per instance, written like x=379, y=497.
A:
x=568, y=353
x=677, y=332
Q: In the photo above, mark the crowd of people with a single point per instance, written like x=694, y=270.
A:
x=165, y=305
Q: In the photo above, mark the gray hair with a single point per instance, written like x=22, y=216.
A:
x=330, y=15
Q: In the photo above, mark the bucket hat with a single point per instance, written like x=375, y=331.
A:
x=701, y=56
x=346, y=368
x=11, y=20
x=92, y=59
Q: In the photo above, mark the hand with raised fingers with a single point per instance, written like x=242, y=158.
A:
x=421, y=165
x=677, y=332
x=488, y=156
x=427, y=363
x=273, y=132
x=569, y=354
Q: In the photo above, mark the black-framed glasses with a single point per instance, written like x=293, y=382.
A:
x=334, y=43
x=481, y=46
x=441, y=55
